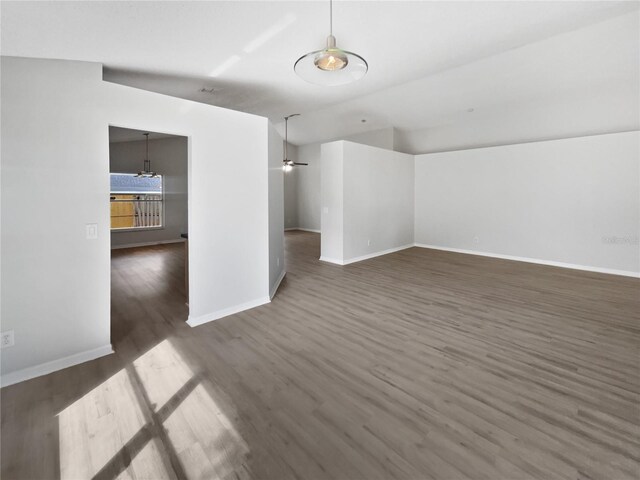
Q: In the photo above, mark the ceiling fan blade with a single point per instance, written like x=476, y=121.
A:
x=296, y=163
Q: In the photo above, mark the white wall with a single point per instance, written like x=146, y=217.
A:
x=368, y=200
x=378, y=200
x=574, y=201
x=276, y=211
x=307, y=184
x=305, y=181
x=56, y=283
x=169, y=158
x=332, y=193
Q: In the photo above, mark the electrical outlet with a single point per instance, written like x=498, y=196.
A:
x=6, y=339
x=368, y=243
x=278, y=261
x=476, y=239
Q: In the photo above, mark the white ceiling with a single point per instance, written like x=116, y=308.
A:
x=245, y=51
x=582, y=82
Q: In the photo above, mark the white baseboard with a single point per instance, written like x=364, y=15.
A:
x=610, y=271
x=377, y=254
x=147, y=244
x=367, y=256
x=331, y=260
x=225, y=312
x=302, y=229
x=54, y=365
x=276, y=285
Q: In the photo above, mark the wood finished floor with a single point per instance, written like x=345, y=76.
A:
x=416, y=365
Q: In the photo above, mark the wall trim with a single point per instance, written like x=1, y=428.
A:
x=552, y=263
x=225, y=312
x=331, y=260
x=146, y=244
x=367, y=256
x=302, y=229
x=377, y=254
x=54, y=365
x=277, y=283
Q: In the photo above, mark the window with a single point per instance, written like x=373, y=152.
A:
x=136, y=202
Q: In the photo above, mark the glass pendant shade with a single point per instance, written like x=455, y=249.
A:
x=332, y=66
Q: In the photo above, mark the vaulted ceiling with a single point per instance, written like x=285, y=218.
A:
x=240, y=55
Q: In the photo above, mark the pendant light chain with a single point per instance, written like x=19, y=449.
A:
x=330, y=17
x=146, y=157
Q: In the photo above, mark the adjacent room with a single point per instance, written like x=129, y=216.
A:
x=320, y=240
x=148, y=175
x=149, y=210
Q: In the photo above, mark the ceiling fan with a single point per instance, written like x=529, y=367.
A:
x=287, y=164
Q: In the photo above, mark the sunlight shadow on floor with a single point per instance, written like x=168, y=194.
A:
x=154, y=416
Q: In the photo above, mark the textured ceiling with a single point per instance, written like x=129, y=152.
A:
x=245, y=51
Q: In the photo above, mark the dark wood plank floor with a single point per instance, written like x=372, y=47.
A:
x=416, y=365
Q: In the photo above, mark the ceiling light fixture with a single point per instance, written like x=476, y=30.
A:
x=287, y=164
x=146, y=169
x=331, y=66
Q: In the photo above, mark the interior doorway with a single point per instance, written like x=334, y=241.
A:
x=148, y=175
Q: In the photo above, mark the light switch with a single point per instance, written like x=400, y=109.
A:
x=325, y=209
x=92, y=231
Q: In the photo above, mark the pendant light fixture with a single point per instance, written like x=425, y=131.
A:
x=287, y=164
x=146, y=169
x=331, y=66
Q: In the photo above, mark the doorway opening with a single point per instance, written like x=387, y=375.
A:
x=148, y=201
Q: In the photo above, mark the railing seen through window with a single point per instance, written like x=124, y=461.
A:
x=136, y=202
